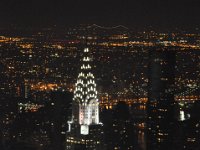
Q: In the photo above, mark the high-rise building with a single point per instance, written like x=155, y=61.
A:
x=60, y=112
x=119, y=128
x=85, y=130
x=160, y=100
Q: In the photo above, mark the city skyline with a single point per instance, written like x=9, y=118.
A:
x=39, y=69
x=104, y=75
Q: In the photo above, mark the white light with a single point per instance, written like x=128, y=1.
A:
x=86, y=50
x=182, y=115
x=90, y=100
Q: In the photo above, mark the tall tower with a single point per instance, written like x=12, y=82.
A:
x=85, y=102
x=160, y=107
x=85, y=130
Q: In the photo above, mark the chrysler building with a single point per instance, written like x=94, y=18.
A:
x=85, y=102
x=85, y=130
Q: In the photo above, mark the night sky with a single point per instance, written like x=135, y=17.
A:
x=127, y=12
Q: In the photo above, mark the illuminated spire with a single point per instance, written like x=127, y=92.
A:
x=85, y=94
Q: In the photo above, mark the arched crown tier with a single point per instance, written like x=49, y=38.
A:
x=85, y=94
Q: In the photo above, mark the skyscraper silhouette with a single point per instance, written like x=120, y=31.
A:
x=160, y=99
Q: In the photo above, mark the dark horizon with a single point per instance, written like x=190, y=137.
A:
x=131, y=13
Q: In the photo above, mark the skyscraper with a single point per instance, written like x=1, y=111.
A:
x=85, y=130
x=60, y=112
x=119, y=128
x=160, y=99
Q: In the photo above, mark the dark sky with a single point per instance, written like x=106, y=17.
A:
x=128, y=12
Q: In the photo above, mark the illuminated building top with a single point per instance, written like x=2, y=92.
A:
x=85, y=102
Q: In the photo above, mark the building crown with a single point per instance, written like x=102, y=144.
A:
x=85, y=87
